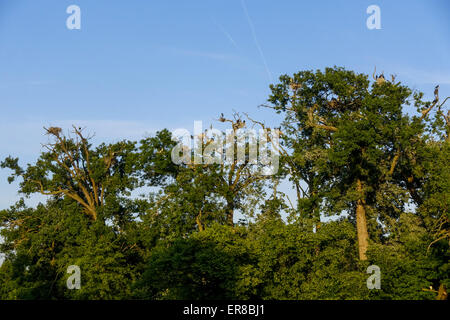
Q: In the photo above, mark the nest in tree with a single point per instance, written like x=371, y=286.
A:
x=54, y=131
x=238, y=124
x=295, y=86
x=380, y=79
x=333, y=103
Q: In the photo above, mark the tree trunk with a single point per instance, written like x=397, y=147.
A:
x=361, y=223
x=198, y=220
x=230, y=213
x=442, y=293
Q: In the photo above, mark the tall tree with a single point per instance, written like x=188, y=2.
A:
x=96, y=179
x=346, y=138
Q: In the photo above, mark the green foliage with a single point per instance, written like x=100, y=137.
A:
x=296, y=263
x=178, y=240
x=408, y=267
x=204, y=266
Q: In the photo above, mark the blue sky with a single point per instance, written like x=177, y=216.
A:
x=139, y=66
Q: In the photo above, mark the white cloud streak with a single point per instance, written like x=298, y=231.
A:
x=226, y=34
x=252, y=29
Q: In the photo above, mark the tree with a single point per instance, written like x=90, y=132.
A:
x=88, y=220
x=346, y=140
x=347, y=146
x=208, y=188
x=96, y=179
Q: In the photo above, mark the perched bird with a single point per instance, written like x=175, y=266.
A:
x=381, y=79
x=278, y=130
x=238, y=124
x=294, y=86
x=333, y=103
x=436, y=94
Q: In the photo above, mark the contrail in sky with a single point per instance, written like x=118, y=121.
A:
x=226, y=34
x=252, y=28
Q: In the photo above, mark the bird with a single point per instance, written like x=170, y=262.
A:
x=294, y=86
x=241, y=124
x=436, y=90
x=380, y=79
x=238, y=124
x=436, y=94
x=333, y=103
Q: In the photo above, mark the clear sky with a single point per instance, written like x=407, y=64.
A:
x=139, y=66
